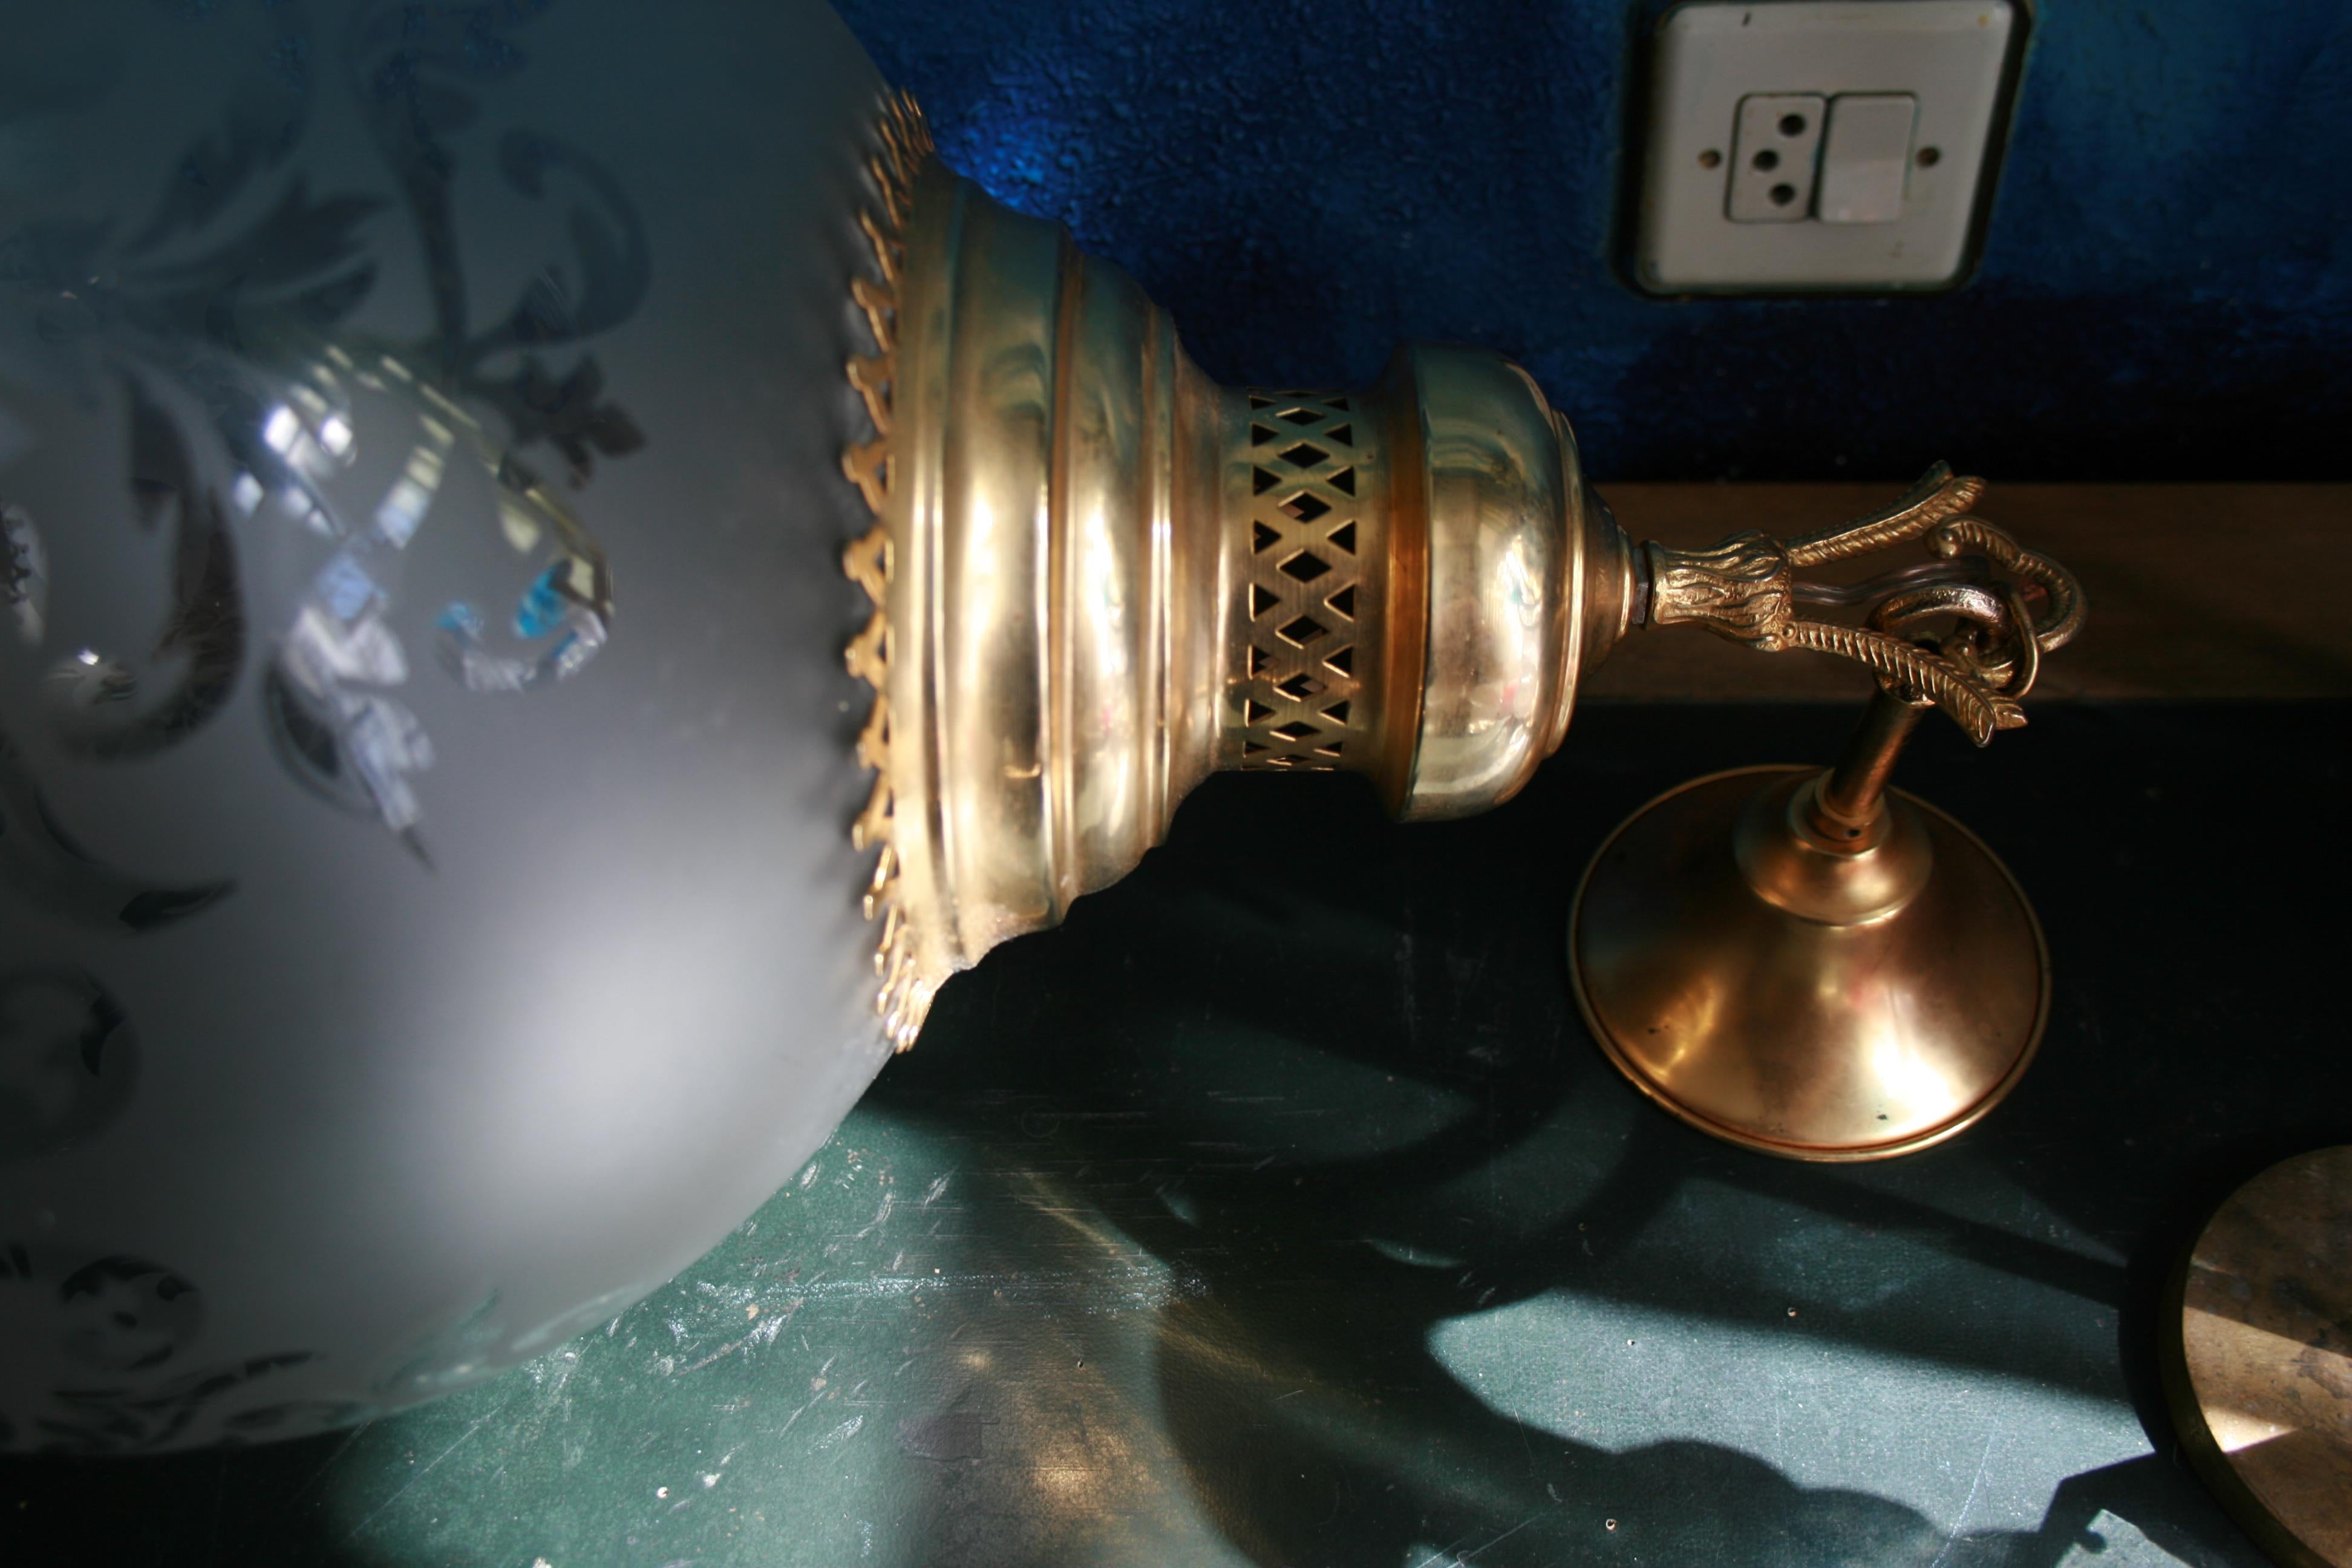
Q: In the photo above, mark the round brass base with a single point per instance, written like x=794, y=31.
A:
x=1900, y=1005
x=2256, y=1364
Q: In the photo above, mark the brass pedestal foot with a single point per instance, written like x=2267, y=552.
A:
x=1812, y=997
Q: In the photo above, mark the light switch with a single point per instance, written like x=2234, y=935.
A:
x=1865, y=153
x=1835, y=144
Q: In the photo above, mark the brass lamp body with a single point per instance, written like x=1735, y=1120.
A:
x=1097, y=576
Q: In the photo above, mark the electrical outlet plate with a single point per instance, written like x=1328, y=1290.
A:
x=1822, y=144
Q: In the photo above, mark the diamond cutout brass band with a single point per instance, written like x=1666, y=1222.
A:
x=1314, y=520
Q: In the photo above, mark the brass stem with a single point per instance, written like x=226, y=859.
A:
x=1853, y=793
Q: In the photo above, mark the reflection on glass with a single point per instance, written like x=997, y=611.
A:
x=23, y=574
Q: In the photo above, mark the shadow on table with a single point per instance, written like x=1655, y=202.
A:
x=1236, y=1053
x=257, y=1507
x=1328, y=1073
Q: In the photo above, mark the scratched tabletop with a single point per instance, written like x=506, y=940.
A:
x=1279, y=1211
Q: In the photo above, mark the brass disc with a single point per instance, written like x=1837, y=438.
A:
x=1797, y=1037
x=2257, y=1349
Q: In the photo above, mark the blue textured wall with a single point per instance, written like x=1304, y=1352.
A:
x=2166, y=286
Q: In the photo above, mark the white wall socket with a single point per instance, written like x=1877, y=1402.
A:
x=1819, y=144
x=1775, y=156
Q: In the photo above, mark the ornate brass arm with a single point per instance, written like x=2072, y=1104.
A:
x=1746, y=589
x=1807, y=961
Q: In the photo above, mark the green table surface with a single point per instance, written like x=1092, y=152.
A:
x=1278, y=1210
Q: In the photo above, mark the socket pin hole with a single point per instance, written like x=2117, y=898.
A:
x=1792, y=125
x=1710, y=159
x=1767, y=159
x=1782, y=195
x=1928, y=157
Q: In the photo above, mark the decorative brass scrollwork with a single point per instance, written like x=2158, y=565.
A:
x=1747, y=589
x=903, y=997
